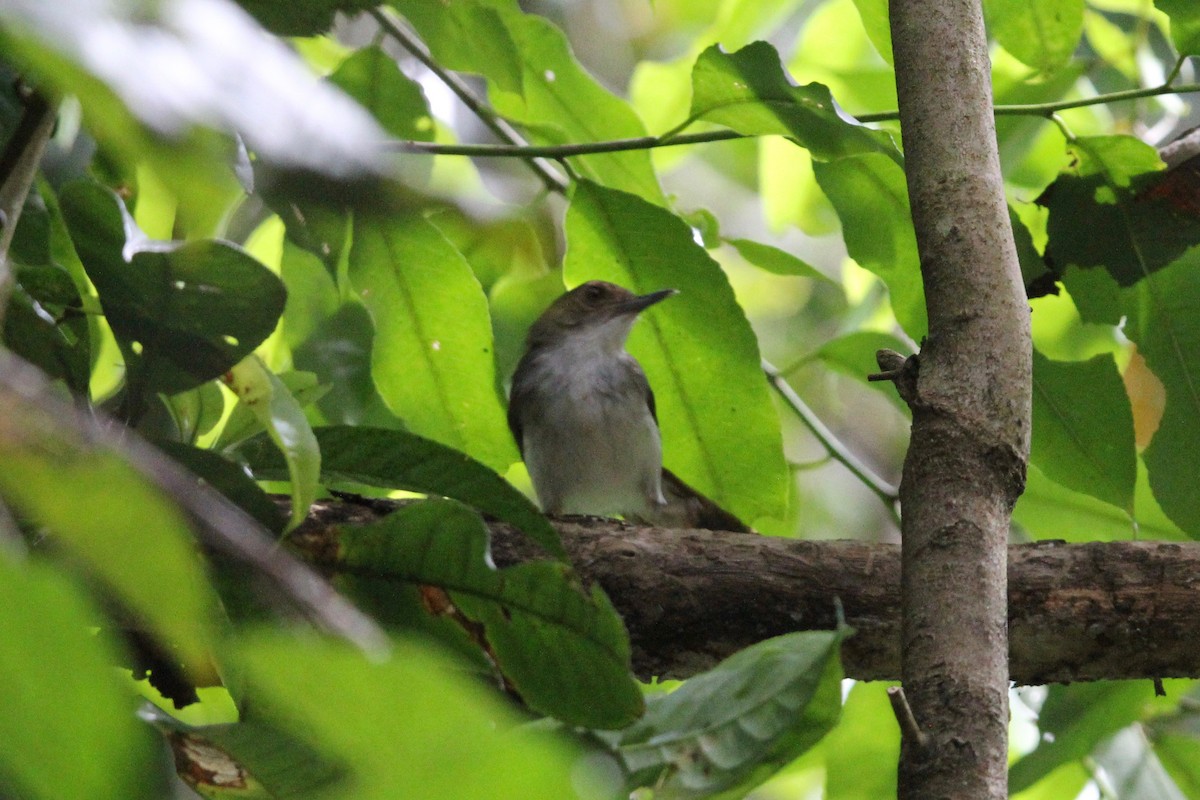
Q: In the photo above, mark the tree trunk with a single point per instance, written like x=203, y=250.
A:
x=969, y=390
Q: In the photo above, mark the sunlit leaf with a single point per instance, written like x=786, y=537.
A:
x=1185, y=24
x=776, y=261
x=725, y=731
x=871, y=197
x=1041, y=33
x=535, y=80
x=68, y=728
x=394, y=459
x=563, y=647
x=749, y=92
x=720, y=431
x=268, y=399
x=432, y=357
x=1083, y=428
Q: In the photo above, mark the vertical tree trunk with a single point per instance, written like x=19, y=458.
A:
x=969, y=390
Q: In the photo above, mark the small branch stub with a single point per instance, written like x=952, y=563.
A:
x=909, y=729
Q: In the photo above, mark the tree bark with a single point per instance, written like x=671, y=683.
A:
x=1078, y=612
x=969, y=390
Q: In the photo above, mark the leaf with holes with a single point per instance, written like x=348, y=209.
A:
x=720, y=431
x=183, y=313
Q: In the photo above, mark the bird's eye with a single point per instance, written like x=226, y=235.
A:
x=593, y=292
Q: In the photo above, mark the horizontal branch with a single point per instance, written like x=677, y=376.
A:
x=1077, y=612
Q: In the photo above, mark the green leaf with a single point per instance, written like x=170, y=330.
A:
x=394, y=459
x=720, y=432
x=229, y=479
x=874, y=15
x=1185, y=24
x=1077, y=718
x=1133, y=770
x=749, y=92
x=1110, y=211
x=1041, y=33
x=1083, y=428
x=1162, y=320
x=871, y=197
x=183, y=313
x=196, y=411
x=776, y=261
x=127, y=535
x=68, y=728
x=866, y=734
x=244, y=420
x=854, y=354
x=725, y=731
x=266, y=396
x=535, y=80
x=432, y=359
x=407, y=725
x=563, y=648
x=44, y=324
x=300, y=17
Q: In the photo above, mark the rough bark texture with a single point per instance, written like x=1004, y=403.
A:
x=1080, y=612
x=971, y=408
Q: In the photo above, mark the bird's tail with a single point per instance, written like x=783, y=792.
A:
x=687, y=508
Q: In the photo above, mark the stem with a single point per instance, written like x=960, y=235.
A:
x=886, y=493
x=500, y=127
x=673, y=138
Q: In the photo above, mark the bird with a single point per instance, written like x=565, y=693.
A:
x=584, y=417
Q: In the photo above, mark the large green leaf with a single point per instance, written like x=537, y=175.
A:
x=535, y=80
x=725, y=731
x=1083, y=428
x=432, y=359
x=408, y=725
x=749, y=92
x=720, y=432
x=1185, y=24
x=871, y=197
x=1162, y=320
x=183, y=313
x=1109, y=211
x=127, y=535
x=229, y=479
x=1041, y=33
x=394, y=459
x=68, y=728
x=563, y=648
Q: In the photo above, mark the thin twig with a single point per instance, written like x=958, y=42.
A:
x=909, y=729
x=500, y=127
x=674, y=138
x=886, y=493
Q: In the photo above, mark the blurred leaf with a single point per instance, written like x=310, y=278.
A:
x=68, y=728
x=196, y=411
x=300, y=17
x=268, y=398
x=516, y=303
x=725, y=731
x=1185, y=24
x=432, y=358
x=1083, y=428
x=853, y=354
x=244, y=421
x=119, y=528
x=860, y=751
x=393, y=459
x=229, y=479
x=563, y=648
x=1162, y=320
x=720, y=431
x=749, y=92
x=1105, y=212
x=1133, y=769
x=871, y=197
x=1077, y=718
x=163, y=61
x=408, y=725
x=1041, y=33
x=183, y=313
x=777, y=261
x=44, y=324
x=874, y=15
x=312, y=295
x=535, y=80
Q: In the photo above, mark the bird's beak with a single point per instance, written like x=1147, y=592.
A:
x=644, y=301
